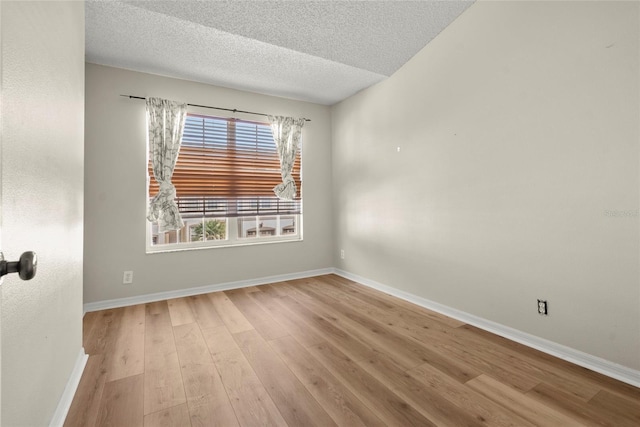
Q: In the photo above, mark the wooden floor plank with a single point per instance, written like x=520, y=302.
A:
x=349, y=344
x=622, y=411
x=121, y=403
x=101, y=336
x=430, y=403
x=484, y=409
x=523, y=359
x=279, y=289
x=379, y=300
x=387, y=405
x=395, y=305
x=176, y=416
x=341, y=404
x=206, y=397
x=86, y=403
x=180, y=311
x=293, y=400
x=287, y=289
x=478, y=359
x=288, y=320
x=564, y=375
x=376, y=335
x=163, y=386
x=249, y=398
x=233, y=319
x=569, y=405
x=411, y=326
x=440, y=339
x=128, y=351
x=203, y=311
x=219, y=340
x=607, y=383
x=258, y=318
x=89, y=321
x=528, y=408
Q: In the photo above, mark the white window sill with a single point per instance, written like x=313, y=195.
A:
x=160, y=249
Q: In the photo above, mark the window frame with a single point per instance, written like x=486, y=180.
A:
x=232, y=223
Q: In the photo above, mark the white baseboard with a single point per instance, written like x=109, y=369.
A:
x=597, y=364
x=69, y=391
x=160, y=296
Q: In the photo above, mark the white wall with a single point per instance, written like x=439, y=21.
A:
x=517, y=177
x=42, y=203
x=115, y=196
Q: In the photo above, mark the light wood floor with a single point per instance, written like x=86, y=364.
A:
x=321, y=352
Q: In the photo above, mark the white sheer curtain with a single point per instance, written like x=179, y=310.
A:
x=165, y=123
x=286, y=135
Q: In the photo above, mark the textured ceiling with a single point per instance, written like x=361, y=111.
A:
x=317, y=51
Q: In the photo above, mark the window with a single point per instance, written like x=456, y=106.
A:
x=224, y=179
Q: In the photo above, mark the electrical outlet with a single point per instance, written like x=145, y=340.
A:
x=543, y=307
x=127, y=278
x=341, y=253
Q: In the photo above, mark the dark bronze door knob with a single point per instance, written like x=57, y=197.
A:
x=26, y=266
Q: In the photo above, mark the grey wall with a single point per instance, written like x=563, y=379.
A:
x=517, y=177
x=115, y=183
x=42, y=203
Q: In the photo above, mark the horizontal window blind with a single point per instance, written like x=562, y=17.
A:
x=228, y=168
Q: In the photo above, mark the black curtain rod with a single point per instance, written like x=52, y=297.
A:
x=213, y=108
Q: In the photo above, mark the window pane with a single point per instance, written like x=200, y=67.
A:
x=168, y=237
x=268, y=226
x=215, y=229
x=211, y=229
x=195, y=229
x=288, y=225
x=247, y=227
x=155, y=237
